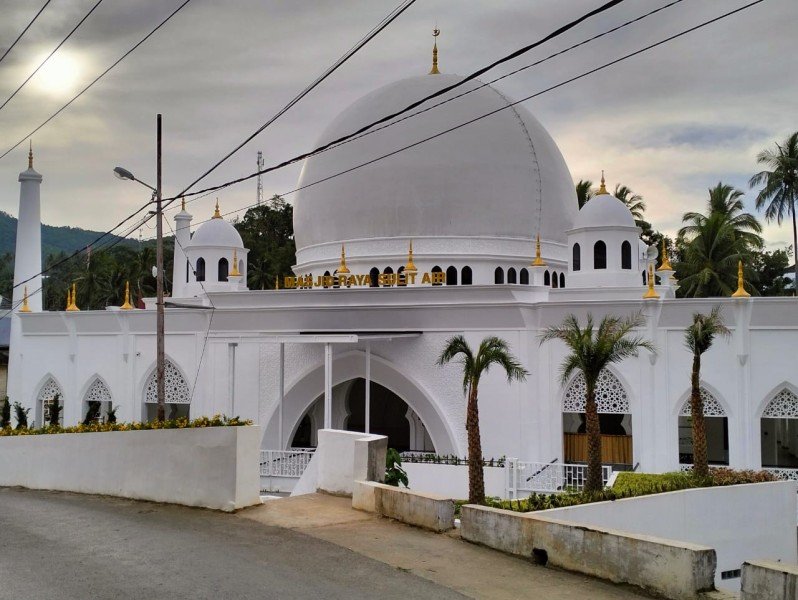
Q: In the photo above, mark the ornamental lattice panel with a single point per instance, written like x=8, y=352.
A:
x=176, y=387
x=611, y=398
x=98, y=392
x=49, y=391
x=784, y=405
x=712, y=408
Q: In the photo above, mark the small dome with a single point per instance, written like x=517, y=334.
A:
x=216, y=232
x=604, y=210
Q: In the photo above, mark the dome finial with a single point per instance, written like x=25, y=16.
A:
x=127, y=305
x=434, y=71
x=30, y=154
x=603, y=187
x=538, y=262
x=666, y=264
x=25, y=307
x=235, y=272
x=410, y=266
x=651, y=293
x=276, y=282
x=740, y=293
x=343, y=268
x=73, y=305
x=183, y=203
x=216, y=213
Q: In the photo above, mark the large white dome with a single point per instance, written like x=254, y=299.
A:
x=502, y=177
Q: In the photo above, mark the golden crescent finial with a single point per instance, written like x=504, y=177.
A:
x=602, y=187
x=216, y=213
x=434, y=71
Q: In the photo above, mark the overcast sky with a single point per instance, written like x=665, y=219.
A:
x=669, y=123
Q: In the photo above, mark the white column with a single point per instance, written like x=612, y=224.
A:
x=368, y=387
x=180, y=266
x=327, y=386
x=231, y=376
x=280, y=395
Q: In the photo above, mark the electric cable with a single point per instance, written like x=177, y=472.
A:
x=49, y=56
x=24, y=31
x=100, y=76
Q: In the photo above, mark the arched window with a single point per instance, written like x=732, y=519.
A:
x=200, y=269
x=524, y=277
x=645, y=278
x=600, y=255
x=555, y=283
x=511, y=275
x=436, y=269
x=451, y=276
x=577, y=257
x=374, y=274
x=223, y=267
x=562, y=280
x=387, y=271
x=402, y=279
x=50, y=393
x=326, y=274
x=546, y=278
x=465, y=276
x=241, y=266
x=498, y=275
x=626, y=255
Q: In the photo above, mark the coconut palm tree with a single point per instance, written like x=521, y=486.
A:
x=698, y=338
x=780, y=193
x=591, y=350
x=492, y=351
x=713, y=243
x=584, y=191
x=634, y=202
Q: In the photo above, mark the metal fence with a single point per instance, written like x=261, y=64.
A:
x=285, y=463
x=523, y=478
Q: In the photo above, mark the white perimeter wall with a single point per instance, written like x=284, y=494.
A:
x=741, y=522
x=213, y=467
x=451, y=481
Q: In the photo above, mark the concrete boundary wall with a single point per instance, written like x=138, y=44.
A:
x=429, y=511
x=452, y=480
x=766, y=580
x=665, y=567
x=211, y=467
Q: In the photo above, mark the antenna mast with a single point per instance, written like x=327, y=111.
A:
x=260, y=178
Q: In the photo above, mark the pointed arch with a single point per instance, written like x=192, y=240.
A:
x=498, y=275
x=511, y=275
x=466, y=276
x=97, y=391
x=611, y=395
x=48, y=391
x=451, y=275
x=177, y=390
x=524, y=276
x=712, y=406
x=781, y=403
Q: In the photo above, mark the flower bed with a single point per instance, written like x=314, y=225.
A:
x=181, y=423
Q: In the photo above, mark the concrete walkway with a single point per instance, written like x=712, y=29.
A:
x=445, y=559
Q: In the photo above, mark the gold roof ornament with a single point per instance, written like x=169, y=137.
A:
x=216, y=213
x=30, y=155
x=538, y=262
x=343, y=268
x=602, y=188
x=666, y=264
x=410, y=266
x=740, y=293
x=127, y=305
x=25, y=307
x=183, y=203
x=434, y=71
x=651, y=293
x=73, y=305
x=235, y=272
x=276, y=282
x=69, y=299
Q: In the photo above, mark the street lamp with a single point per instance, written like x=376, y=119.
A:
x=122, y=173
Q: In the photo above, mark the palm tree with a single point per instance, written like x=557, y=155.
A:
x=584, y=191
x=634, y=202
x=698, y=338
x=591, y=350
x=781, y=186
x=492, y=350
x=713, y=243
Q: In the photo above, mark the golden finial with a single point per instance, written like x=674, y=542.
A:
x=127, y=305
x=410, y=267
x=30, y=155
x=538, y=262
x=602, y=188
x=216, y=213
x=183, y=203
x=25, y=307
x=342, y=268
x=740, y=293
x=69, y=299
x=651, y=293
x=666, y=264
x=434, y=71
x=235, y=272
x=276, y=282
x=73, y=306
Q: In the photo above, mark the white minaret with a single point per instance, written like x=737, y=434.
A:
x=180, y=262
x=28, y=258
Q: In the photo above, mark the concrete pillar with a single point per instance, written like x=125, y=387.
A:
x=180, y=268
x=28, y=258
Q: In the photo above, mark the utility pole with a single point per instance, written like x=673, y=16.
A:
x=159, y=307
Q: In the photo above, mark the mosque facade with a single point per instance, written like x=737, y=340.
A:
x=474, y=232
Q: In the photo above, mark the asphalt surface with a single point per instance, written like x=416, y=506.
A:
x=56, y=545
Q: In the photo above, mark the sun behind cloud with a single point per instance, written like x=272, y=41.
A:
x=60, y=75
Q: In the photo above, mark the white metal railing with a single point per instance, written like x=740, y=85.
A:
x=285, y=463
x=523, y=478
x=783, y=472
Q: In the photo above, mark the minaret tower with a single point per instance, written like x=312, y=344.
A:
x=182, y=237
x=28, y=258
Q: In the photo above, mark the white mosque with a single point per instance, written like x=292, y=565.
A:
x=475, y=232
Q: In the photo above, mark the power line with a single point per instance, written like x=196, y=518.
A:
x=100, y=76
x=509, y=105
x=474, y=75
x=24, y=31
x=49, y=56
x=335, y=66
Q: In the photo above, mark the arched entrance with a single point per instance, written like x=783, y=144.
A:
x=779, y=434
x=615, y=421
x=716, y=425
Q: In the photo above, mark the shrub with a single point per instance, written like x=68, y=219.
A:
x=95, y=426
x=21, y=415
x=93, y=412
x=394, y=474
x=55, y=411
x=5, y=414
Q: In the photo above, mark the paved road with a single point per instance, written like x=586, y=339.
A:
x=67, y=546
